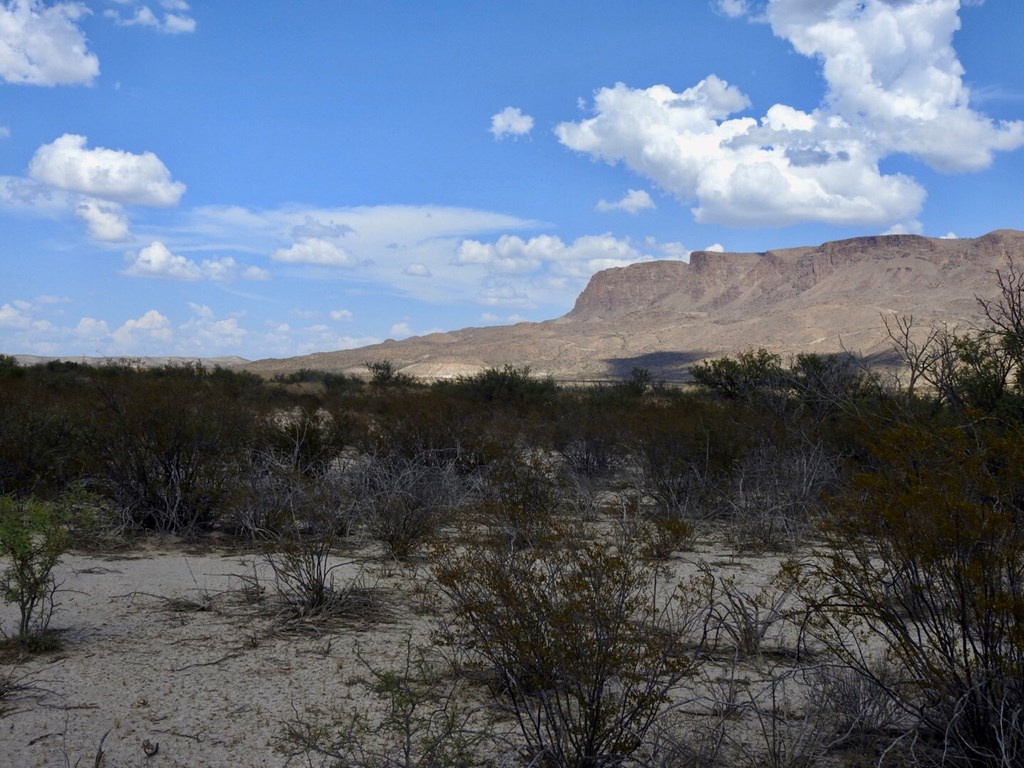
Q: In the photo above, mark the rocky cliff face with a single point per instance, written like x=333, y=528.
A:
x=665, y=315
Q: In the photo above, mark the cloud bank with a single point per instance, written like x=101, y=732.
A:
x=894, y=85
x=43, y=45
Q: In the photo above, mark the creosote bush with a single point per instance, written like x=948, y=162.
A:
x=411, y=717
x=580, y=644
x=939, y=516
x=32, y=540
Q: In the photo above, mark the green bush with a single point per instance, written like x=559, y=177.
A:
x=582, y=648
x=924, y=558
x=32, y=539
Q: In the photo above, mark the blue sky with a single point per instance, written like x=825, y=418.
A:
x=267, y=179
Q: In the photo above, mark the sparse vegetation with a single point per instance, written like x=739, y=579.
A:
x=593, y=560
x=32, y=540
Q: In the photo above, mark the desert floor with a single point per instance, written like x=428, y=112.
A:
x=166, y=644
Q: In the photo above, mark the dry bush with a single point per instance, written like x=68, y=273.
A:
x=744, y=618
x=939, y=514
x=521, y=496
x=582, y=648
x=773, y=493
x=404, y=501
x=305, y=568
x=412, y=719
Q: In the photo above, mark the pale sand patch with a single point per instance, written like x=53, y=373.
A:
x=167, y=647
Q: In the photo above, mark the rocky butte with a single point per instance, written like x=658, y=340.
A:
x=666, y=315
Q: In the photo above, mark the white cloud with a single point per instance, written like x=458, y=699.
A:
x=176, y=22
x=511, y=255
x=635, y=200
x=152, y=326
x=340, y=314
x=91, y=329
x=894, y=85
x=256, y=274
x=43, y=45
x=738, y=170
x=156, y=260
x=106, y=220
x=892, y=67
x=15, y=315
x=418, y=270
x=732, y=8
x=510, y=122
x=5, y=132
x=315, y=250
x=204, y=332
x=400, y=329
x=108, y=174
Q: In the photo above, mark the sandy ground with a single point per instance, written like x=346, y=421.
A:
x=163, y=646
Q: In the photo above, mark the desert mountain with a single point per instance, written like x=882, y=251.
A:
x=665, y=315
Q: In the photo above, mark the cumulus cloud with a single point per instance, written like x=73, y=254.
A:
x=157, y=261
x=635, y=200
x=892, y=66
x=317, y=251
x=91, y=329
x=152, y=326
x=400, y=329
x=106, y=220
x=15, y=315
x=43, y=45
x=257, y=274
x=418, y=270
x=108, y=174
x=204, y=331
x=583, y=257
x=894, y=85
x=340, y=314
x=174, y=19
x=510, y=122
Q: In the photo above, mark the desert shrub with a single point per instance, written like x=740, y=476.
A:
x=579, y=644
x=680, y=454
x=773, y=492
x=418, y=723
x=939, y=511
x=42, y=439
x=404, y=501
x=32, y=539
x=269, y=499
x=383, y=373
x=520, y=496
x=427, y=422
x=750, y=374
x=861, y=712
x=827, y=383
x=169, y=444
x=510, y=385
x=307, y=577
x=304, y=440
x=743, y=617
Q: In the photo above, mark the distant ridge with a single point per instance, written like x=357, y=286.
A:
x=231, y=361
x=666, y=315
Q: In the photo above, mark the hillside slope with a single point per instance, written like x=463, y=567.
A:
x=665, y=315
